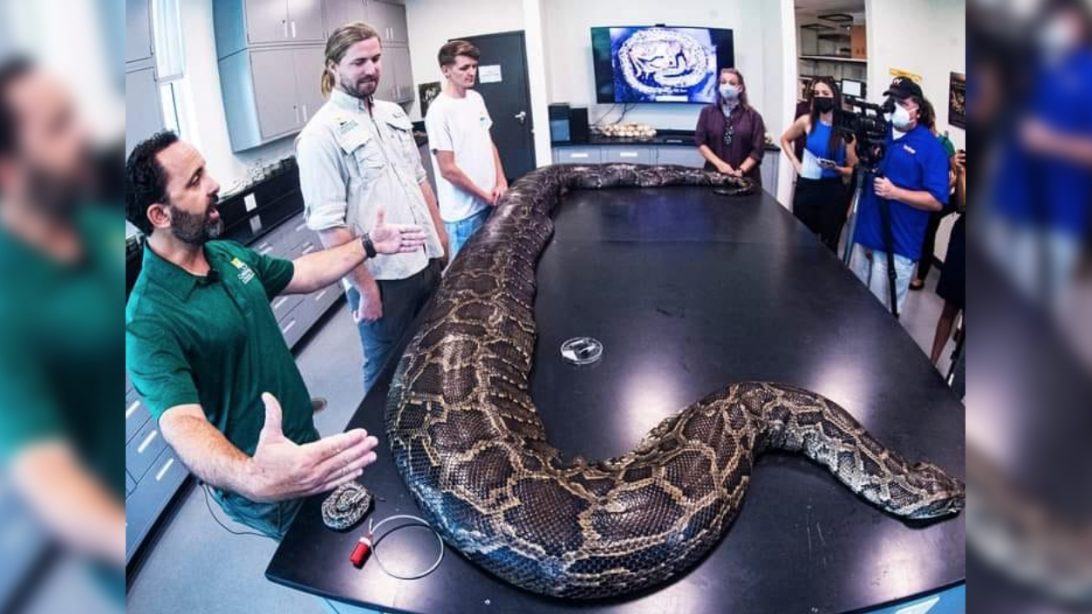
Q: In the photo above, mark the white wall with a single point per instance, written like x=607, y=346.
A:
x=927, y=37
x=206, y=124
x=432, y=23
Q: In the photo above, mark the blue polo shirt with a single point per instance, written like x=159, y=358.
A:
x=1043, y=190
x=917, y=162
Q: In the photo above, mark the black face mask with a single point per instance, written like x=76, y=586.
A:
x=823, y=104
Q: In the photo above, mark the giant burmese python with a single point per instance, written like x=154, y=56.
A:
x=471, y=447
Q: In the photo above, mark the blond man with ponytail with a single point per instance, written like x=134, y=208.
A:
x=357, y=155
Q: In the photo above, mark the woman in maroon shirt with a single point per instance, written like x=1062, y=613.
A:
x=731, y=135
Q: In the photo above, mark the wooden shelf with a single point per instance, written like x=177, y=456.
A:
x=834, y=58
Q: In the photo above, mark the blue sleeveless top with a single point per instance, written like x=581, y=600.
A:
x=817, y=143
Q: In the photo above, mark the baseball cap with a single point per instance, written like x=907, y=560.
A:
x=901, y=87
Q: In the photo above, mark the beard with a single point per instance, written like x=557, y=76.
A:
x=195, y=229
x=58, y=196
x=361, y=88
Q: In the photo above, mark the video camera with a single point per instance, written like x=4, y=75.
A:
x=866, y=126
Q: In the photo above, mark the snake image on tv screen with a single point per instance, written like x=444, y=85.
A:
x=659, y=63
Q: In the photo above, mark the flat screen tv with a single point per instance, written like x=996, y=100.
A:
x=659, y=63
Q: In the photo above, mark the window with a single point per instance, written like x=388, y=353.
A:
x=170, y=68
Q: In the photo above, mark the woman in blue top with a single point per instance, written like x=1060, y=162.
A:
x=820, y=200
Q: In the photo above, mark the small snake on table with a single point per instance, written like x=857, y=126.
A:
x=470, y=445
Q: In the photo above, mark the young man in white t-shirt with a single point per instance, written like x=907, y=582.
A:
x=469, y=176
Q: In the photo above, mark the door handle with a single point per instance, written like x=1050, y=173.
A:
x=293, y=29
x=304, y=112
x=521, y=116
x=284, y=22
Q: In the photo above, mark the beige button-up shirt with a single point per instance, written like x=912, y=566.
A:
x=352, y=162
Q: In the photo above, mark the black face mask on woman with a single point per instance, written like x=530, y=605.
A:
x=823, y=104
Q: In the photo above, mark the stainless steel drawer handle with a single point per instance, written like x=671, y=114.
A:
x=578, y=155
x=627, y=154
x=129, y=410
x=319, y=296
x=147, y=442
x=288, y=327
x=163, y=470
x=280, y=301
x=310, y=248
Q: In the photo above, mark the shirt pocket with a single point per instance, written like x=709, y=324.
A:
x=366, y=154
x=402, y=129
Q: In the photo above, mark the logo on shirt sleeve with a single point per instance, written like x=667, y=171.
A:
x=245, y=272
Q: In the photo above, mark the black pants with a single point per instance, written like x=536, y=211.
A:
x=928, y=246
x=821, y=205
x=402, y=301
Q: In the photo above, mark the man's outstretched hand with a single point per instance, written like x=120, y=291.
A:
x=281, y=469
x=396, y=238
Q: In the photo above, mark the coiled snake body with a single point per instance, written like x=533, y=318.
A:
x=470, y=445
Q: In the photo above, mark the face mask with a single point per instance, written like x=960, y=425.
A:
x=900, y=119
x=729, y=92
x=823, y=104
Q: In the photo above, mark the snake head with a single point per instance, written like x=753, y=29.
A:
x=939, y=493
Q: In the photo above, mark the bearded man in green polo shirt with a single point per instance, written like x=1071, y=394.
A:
x=204, y=350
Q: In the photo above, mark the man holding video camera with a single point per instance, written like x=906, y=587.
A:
x=893, y=212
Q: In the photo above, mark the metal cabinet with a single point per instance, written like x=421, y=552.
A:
x=150, y=496
x=390, y=20
x=627, y=154
x=265, y=21
x=143, y=449
x=398, y=74
x=136, y=416
x=143, y=110
x=307, y=63
x=245, y=23
x=681, y=155
x=340, y=12
x=275, y=91
x=576, y=155
x=305, y=22
x=270, y=93
x=138, y=31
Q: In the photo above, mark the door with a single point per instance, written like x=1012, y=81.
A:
x=502, y=82
x=305, y=21
x=266, y=21
x=308, y=67
x=274, y=91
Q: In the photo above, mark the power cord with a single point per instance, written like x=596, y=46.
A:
x=208, y=505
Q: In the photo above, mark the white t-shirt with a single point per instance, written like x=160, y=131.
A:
x=461, y=125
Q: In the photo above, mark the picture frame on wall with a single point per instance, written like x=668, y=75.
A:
x=957, y=100
x=427, y=92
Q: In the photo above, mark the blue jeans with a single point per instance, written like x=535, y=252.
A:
x=870, y=266
x=458, y=233
x=402, y=301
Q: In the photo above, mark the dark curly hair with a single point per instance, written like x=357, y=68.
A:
x=146, y=179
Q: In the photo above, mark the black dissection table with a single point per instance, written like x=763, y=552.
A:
x=690, y=291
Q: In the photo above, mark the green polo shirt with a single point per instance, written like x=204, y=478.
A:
x=214, y=341
x=60, y=354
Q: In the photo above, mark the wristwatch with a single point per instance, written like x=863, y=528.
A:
x=369, y=247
